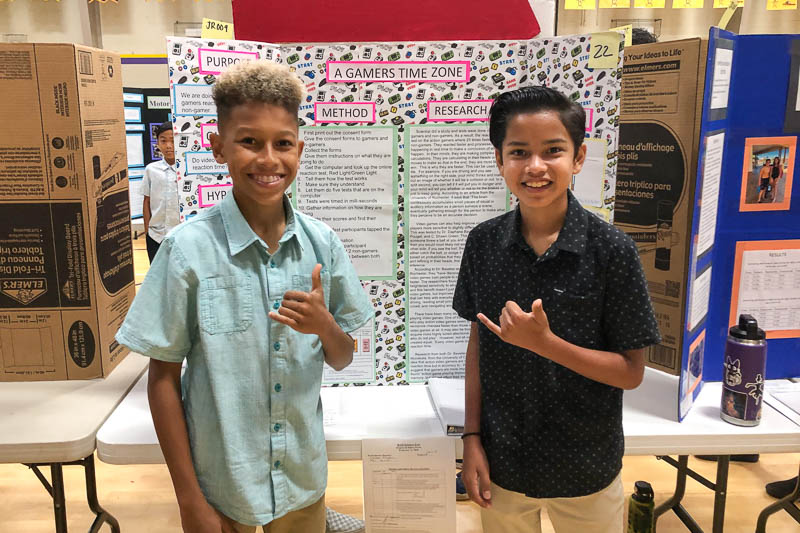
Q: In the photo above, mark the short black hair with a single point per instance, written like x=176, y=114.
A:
x=642, y=36
x=536, y=99
x=161, y=128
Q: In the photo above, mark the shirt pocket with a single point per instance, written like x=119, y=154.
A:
x=302, y=282
x=226, y=304
x=578, y=317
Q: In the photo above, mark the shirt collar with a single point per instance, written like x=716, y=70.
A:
x=571, y=238
x=239, y=233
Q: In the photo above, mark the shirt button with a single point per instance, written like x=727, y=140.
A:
x=276, y=305
x=277, y=346
x=277, y=464
x=278, y=387
x=276, y=427
x=272, y=264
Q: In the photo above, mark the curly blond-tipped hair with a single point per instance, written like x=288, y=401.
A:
x=257, y=81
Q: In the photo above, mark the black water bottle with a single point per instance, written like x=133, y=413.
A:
x=640, y=509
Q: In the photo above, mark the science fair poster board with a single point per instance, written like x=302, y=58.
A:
x=756, y=261
x=398, y=162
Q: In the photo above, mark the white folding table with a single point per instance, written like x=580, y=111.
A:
x=356, y=413
x=54, y=423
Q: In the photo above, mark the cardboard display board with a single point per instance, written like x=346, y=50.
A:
x=398, y=162
x=662, y=88
x=66, y=261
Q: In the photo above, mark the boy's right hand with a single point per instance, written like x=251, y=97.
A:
x=200, y=517
x=475, y=472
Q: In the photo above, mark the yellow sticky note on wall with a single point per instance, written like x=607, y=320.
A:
x=780, y=5
x=216, y=29
x=687, y=4
x=611, y=4
x=604, y=49
x=579, y=4
x=722, y=4
x=657, y=4
x=628, y=29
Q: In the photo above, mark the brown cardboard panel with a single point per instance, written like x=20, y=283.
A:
x=22, y=172
x=66, y=260
x=662, y=91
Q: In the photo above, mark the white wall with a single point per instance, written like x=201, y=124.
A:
x=140, y=27
x=47, y=22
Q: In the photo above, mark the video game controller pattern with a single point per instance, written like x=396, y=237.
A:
x=559, y=62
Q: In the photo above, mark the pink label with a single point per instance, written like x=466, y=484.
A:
x=212, y=194
x=216, y=61
x=459, y=110
x=205, y=130
x=404, y=71
x=344, y=112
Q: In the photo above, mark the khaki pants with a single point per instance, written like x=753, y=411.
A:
x=512, y=512
x=310, y=519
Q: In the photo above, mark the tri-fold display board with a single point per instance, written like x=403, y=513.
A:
x=707, y=150
x=398, y=162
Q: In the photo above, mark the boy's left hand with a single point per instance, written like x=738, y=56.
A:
x=526, y=330
x=305, y=311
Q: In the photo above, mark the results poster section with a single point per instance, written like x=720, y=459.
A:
x=398, y=162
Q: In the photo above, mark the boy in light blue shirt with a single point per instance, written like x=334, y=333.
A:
x=254, y=295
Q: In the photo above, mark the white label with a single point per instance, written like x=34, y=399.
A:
x=709, y=199
x=203, y=163
x=701, y=291
x=769, y=288
x=589, y=182
x=459, y=110
x=408, y=71
x=339, y=112
x=193, y=100
x=212, y=194
x=722, y=78
x=346, y=180
x=158, y=102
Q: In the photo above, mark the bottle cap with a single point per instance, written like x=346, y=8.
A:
x=644, y=492
x=747, y=329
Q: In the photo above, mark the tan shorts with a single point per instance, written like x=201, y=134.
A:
x=310, y=519
x=512, y=512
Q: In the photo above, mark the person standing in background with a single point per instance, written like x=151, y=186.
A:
x=160, y=189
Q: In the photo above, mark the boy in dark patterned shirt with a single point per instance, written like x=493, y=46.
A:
x=560, y=319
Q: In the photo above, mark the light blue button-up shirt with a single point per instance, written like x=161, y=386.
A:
x=251, y=386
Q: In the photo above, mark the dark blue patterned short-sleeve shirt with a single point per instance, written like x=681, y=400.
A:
x=549, y=432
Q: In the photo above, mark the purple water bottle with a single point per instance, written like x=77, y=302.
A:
x=743, y=373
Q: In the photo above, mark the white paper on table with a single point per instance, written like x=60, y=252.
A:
x=723, y=61
x=409, y=485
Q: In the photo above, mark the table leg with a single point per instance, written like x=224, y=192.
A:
x=59, y=505
x=56, y=491
x=720, y=493
x=674, y=502
x=103, y=516
x=786, y=503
